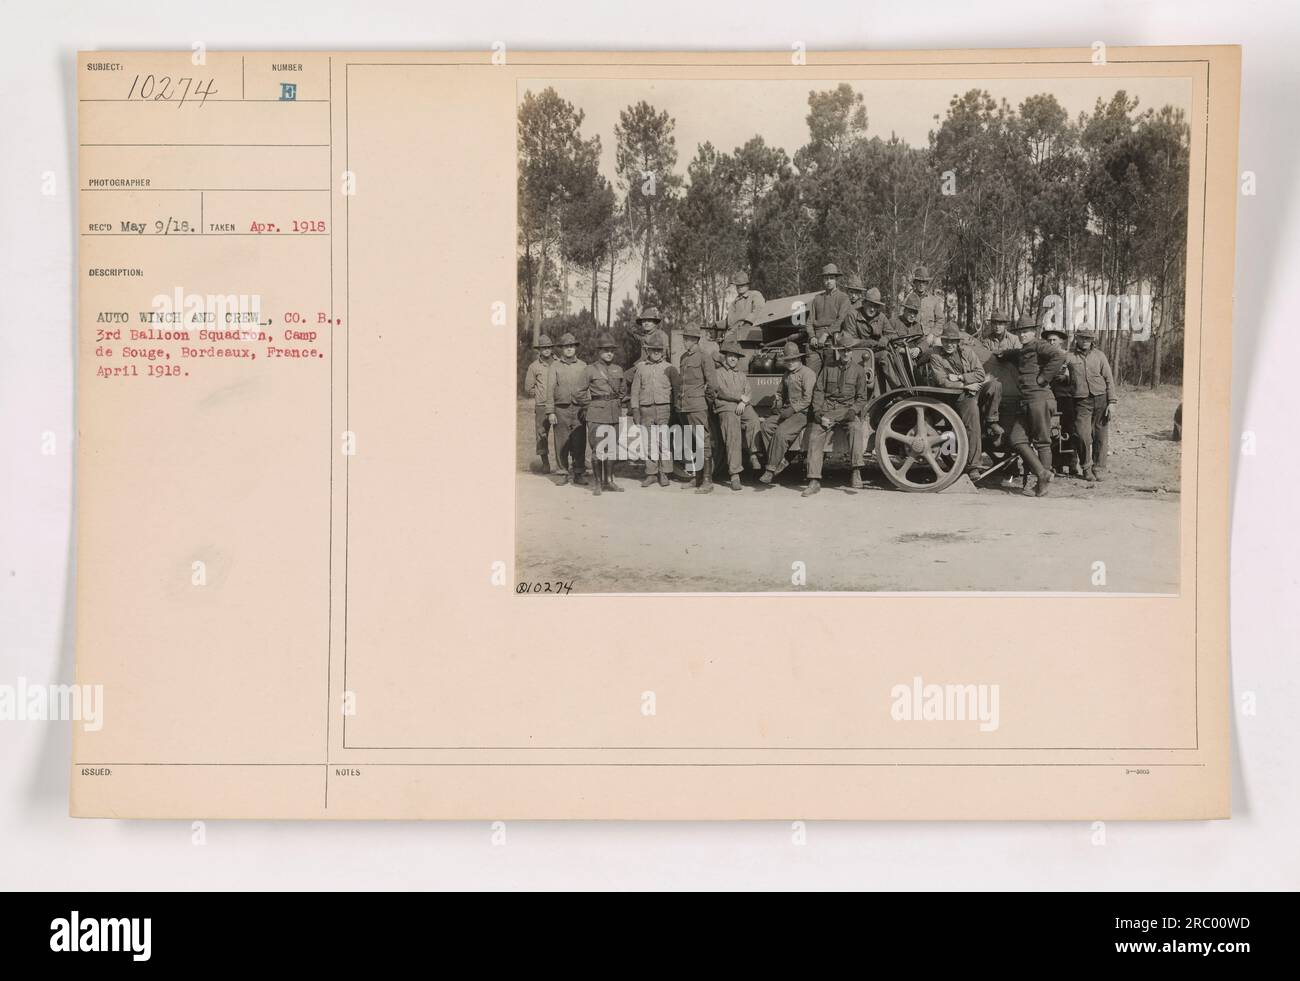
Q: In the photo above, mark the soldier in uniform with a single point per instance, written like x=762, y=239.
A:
x=838, y=398
x=603, y=394
x=647, y=325
x=697, y=383
x=652, y=401
x=1094, y=404
x=736, y=416
x=535, y=380
x=954, y=364
x=566, y=382
x=1063, y=394
x=929, y=313
x=831, y=312
x=999, y=384
x=783, y=427
x=746, y=306
x=1037, y=362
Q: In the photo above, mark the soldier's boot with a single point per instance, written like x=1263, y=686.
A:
x=647, y=480
x=597, y=478
x=565, y=477
x=1088, y=475
x=1045, y=478
x=580, y=478
x=613, y=484
x=663, y=479
x=855, y=479
x=814, y=486
x=1033, y=465
x=706, y=477
x=767, y=477
x=735, y=481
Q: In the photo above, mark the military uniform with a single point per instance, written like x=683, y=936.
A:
x=652, y=401
x=743, y=308
x=736, y=416
x=565, y=391
x=697, y=379
x=930, y=312
x=1037, y=362
x=957, y=371
x=1093, y=391
x=783, y=427
x=536, y=379
x=604, y=394
x=839, y=396
x=1001, y=391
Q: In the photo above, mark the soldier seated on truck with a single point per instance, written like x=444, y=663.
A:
x=790, y=414
x=839, y=398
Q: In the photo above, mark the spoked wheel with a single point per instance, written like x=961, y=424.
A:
x=921, y=445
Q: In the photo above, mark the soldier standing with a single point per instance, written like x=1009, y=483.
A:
x=1094, y=403
x=652, y=401
x=564, y=388
x=697, y=382
x=647, y=325
x=603, y=394
x=999, y=384
x=1037, y=362
x=954, y=364
x=831, y=312
x=838, y=398
x=535, y=381
x=930, y=313
x=746, y=306
x=783, y=427
x=736, y=416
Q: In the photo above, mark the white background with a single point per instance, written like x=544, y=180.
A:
x=41, y=848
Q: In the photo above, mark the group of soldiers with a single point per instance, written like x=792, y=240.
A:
x=848, y=353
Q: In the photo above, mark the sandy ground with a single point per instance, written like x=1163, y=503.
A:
x=877, y=539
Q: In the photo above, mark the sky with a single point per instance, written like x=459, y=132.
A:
x=728, y=113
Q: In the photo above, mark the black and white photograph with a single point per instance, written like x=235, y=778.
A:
x=921, y=334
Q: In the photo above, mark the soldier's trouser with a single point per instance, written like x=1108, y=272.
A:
x=657, y=445
x=1033, y=420
x=969, y=410
x=700, y=462
x=820, y=436
x=543, y=433
x=777, y=435
x=1091, y=432
x=739, y=434
x=570, y=439
x=990, y=400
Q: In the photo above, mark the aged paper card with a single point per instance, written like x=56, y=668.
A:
x=655, y=435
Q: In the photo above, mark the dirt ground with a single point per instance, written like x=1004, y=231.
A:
x=878, y=539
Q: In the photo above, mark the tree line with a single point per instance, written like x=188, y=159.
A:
x=1006, y=205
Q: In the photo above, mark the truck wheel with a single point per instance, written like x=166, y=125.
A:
x=921, y=445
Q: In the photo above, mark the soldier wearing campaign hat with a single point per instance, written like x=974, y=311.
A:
x=651, y=397
x=790, y=415
x=747, y=306
x=697, y=382
x=838, y=399
x=954, y=364
x=1094, y=404
x=603, y=394
x=565, y=389
x=831, y=312
x=930, y=313
x=1037, y=362
x=535, y=380
x=736, y=416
